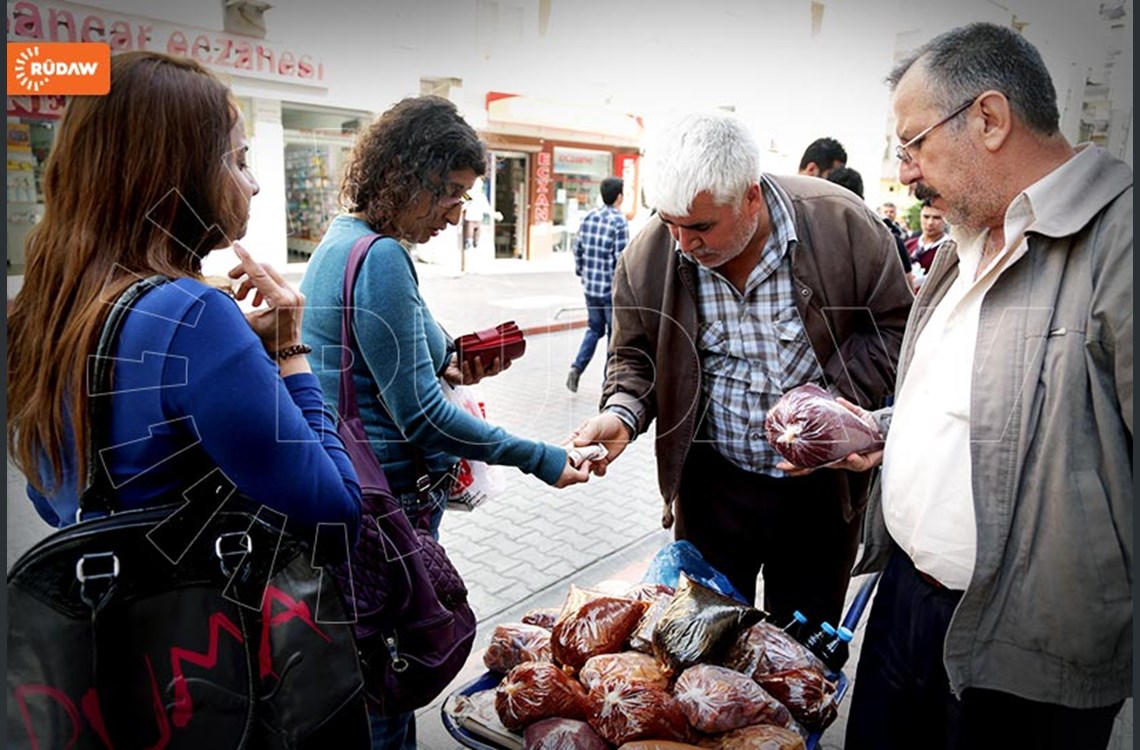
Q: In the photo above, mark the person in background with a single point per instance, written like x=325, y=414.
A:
x=1004, y=615
x=743, y=286
x=890, y=212
x=822, y=156
x=934, y=235
x=853, y=181
x=602, y=235
x=475, y=213
x=407, y=178
x=848, y=178
x=144, y=181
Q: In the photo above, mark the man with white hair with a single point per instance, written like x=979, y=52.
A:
x=743, y=286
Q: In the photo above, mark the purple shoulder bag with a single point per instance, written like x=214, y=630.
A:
x=414, y=627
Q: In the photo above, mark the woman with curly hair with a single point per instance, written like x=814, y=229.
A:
x=407, y=178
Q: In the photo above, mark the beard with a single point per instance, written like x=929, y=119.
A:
x=745, y=231
x=923, y=192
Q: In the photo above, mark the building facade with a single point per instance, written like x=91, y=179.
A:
x=550, y=85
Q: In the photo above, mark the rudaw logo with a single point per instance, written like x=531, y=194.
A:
x=59, y=68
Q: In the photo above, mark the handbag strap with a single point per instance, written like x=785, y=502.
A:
x=347, y=405
x=346, y=393
x=98, y=495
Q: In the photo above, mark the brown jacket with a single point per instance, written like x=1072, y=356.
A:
x=851, y=293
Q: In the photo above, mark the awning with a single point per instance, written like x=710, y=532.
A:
x=541, y=118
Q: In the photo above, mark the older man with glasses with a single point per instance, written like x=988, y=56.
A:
x=1004, y=615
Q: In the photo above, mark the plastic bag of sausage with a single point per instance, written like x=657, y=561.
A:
x=807, y=693
x=623, y=711
x=514, y=643
x=562, y=734
x=717, y=699
x=592, y=623
x=810, y=428
x=698, y=626
x=758, y=737
x=543, y=618
x=538, y=690
x=630, y=666
x=764, y=649
x=649, y=592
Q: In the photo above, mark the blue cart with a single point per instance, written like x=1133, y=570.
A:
x=488, y=680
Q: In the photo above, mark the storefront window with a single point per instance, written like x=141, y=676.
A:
x=578, y=174
x=29, y=143
x=317, y=142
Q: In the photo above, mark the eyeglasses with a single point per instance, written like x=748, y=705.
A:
x=902, y=150
x=451, y=202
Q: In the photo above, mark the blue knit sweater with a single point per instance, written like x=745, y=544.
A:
x=194, y=390
x=397, y=379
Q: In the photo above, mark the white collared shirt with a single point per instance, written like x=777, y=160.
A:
x=928, y=499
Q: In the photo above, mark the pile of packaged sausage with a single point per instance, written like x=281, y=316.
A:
x=651, y=669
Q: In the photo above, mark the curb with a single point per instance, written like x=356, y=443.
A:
x=554, y=327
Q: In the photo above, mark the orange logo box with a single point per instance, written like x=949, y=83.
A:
x=59, y=68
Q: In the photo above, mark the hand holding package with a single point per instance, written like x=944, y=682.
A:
x=809, y=428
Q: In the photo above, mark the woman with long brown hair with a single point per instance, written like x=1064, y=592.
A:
x=146, y=181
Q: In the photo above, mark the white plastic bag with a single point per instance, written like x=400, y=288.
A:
x=475, y=481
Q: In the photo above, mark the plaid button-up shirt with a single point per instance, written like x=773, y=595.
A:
x=753, y=346
x=602, y=235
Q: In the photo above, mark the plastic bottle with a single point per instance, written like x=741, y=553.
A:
x=835, y=652
x=797, y=627
x=820, y=638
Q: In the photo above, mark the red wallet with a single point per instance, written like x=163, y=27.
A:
x=504, y=341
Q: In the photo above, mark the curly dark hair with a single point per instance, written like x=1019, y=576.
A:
x=410, y=148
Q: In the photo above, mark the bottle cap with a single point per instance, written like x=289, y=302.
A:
x=800, y=617
x=826, y=627
x=844, y=634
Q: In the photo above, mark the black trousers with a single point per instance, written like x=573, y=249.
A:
x=902, y=696
x=793, y=528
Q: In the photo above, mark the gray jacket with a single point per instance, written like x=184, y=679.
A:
x=1048, y=612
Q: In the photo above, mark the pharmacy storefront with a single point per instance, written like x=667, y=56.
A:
x=548, y=160
x=298, y=135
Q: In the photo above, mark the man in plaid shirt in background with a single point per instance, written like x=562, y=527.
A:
x=602, y=235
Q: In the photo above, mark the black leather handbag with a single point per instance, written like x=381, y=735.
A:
x=199, y=624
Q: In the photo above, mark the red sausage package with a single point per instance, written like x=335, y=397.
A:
x=538, y=690
x=562, y=734
x=758, y=737
x=764, y=649
x=623, y=711
x=592, y=623
x=515, y=643
x=544, y=618
x=629, y=666
x=717, y=699
x=808, y=695
x=809, y=428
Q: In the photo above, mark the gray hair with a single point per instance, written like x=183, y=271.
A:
x=968, y=60
x=705, y=151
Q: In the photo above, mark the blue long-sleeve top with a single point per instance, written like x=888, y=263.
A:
x=194, y=390
x=397, y=379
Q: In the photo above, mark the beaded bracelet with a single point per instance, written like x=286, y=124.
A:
x=292, y=351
